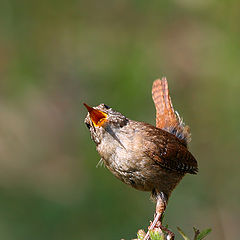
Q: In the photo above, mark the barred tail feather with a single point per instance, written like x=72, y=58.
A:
x=166, y=118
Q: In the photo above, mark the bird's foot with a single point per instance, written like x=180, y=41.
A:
x=170, y=234
x=156, y=224
x=152, y=226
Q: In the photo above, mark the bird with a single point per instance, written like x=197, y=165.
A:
x=145, y=157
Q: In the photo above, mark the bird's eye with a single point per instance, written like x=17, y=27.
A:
x=106, y=106
x=88, y=125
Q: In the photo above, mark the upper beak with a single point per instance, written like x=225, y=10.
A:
x=98, y=117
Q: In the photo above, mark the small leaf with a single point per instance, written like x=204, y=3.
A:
x=156, y=235
x=204, y=233
x=141, y=234
x=182, y=233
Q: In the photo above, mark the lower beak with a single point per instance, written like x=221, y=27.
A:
x=98, y=117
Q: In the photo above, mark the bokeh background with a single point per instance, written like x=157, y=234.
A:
x=55, y=55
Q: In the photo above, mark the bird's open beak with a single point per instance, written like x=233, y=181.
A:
x=98, y=117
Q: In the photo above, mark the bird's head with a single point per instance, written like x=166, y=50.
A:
x=102, y=119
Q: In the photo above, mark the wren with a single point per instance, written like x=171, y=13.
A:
x=146, y=157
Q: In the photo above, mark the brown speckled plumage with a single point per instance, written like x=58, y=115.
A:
x=145, y=157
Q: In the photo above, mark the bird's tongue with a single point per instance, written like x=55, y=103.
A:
x=98, y=117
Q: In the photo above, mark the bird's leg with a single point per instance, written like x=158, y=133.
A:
x=160, y=208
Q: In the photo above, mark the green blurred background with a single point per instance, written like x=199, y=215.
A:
x=54, y=55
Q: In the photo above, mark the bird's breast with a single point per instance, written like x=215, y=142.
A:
x=121, y=151
x=124, y=157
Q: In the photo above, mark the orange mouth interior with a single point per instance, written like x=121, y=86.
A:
x=98, y=117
